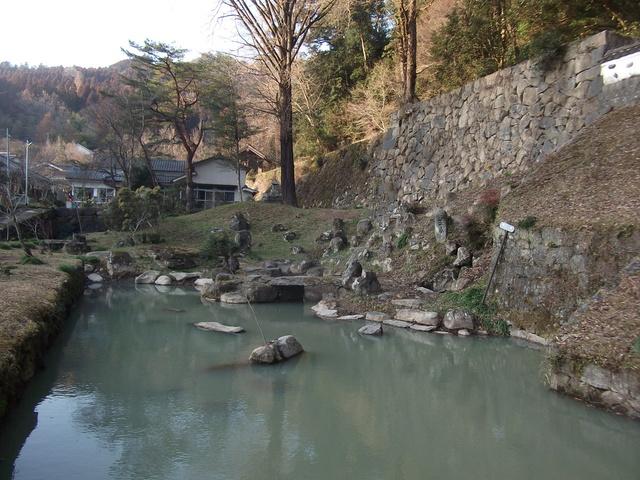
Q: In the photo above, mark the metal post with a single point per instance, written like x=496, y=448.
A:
x=8, y=181
x=26, y=173
x=495, y=265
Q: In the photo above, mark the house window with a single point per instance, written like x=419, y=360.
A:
x=209, y=198
x=225, y=197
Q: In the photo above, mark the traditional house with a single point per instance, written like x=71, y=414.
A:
x=85, y=184
x=215, y=182
x=255, y=161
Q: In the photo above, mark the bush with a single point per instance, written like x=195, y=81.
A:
x=470, y=300
x=217, y=245
x=5, y=246
x=30, y=260
x=133, y=210
x=89, y=260
x=489, y=201
x=403, y=241
x=68, y=269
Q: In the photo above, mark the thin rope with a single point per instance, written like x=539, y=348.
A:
x=255, y=317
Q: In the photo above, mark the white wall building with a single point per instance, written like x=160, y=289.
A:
x=215, y=182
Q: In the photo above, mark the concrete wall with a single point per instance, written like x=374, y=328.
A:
x=500, y=124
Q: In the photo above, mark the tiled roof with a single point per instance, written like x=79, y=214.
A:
x=167, y=165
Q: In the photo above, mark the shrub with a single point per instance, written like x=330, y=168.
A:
x=135, y=209
x=68, y=269
x=30, y=260
x=5, y=246
x=217, y=245
x=489, y=201
x=527, y=222
x=89, y=260
x=402, y=241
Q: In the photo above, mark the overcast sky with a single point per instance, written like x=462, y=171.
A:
x=89, y=33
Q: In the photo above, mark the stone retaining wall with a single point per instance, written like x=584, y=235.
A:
x=497, y=125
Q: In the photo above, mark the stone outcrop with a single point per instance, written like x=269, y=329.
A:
x=148, y=277
x=458, y=320
x=238, y=222
x=121, y=265
x=279, y=350
x=418, y=316
x=366, y=284
x=218, y=327
x=374, y=329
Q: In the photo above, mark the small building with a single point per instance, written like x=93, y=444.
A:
x=215, y=182
x=85, y=184
x=167, y=170
x=255, y=161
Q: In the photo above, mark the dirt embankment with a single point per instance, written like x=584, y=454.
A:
x=34, y=303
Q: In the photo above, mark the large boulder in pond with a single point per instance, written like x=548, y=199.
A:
x=288, y=347
x=148, y=277
x=266, y=355
x=279, y=350
x=374, y=329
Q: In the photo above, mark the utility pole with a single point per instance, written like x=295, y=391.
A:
x=8, y=182
x=26, y=172
x=8, y=160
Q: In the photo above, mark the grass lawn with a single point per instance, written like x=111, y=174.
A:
x=189, y=232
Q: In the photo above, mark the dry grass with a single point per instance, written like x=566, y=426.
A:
x=594, y=182
x=605, y=333
x=31, y=294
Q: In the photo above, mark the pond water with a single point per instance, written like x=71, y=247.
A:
x=132, y=390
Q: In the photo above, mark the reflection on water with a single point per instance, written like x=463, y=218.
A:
x=135, y=391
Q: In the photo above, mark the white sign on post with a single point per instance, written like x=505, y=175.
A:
x=507, y=227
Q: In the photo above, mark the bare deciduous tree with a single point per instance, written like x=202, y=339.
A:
x=406, y=15
x=277, y=30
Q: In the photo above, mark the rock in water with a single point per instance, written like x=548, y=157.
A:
x=164, y=280
x=288, y=346
x=266, y=354
x=218, y=327
x=276, y=351
x=148, y=277
x=371, y=329
x=95, y=278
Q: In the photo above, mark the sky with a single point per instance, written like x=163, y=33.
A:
x=90, y=33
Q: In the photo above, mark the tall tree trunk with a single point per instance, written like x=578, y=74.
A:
x=287, y=173
x=411, y=54
x=237, y=153
x=189, y=178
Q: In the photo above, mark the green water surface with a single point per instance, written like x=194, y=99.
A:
x=133, y=391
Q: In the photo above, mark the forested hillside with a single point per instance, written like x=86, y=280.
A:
x=348, y=79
